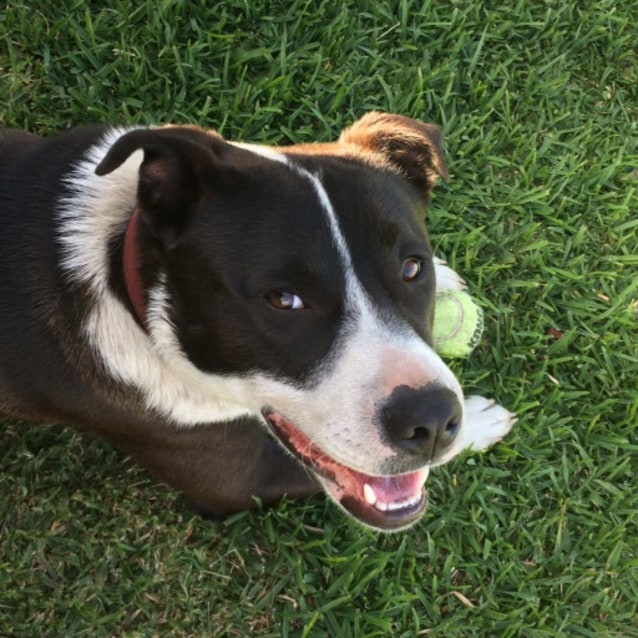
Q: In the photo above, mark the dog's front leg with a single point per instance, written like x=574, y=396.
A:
x=484, y=423
x=446, y=278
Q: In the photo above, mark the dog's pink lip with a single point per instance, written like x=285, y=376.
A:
x=382, y=502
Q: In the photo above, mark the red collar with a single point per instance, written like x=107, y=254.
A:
x=132, y=278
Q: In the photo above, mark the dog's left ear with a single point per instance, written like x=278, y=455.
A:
x=178, y=162
x=412, y=147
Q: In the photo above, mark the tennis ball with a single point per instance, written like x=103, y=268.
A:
x=458, y=323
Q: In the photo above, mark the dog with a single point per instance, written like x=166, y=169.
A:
x=247, y=322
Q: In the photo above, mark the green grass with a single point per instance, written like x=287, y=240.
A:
x=536, y=538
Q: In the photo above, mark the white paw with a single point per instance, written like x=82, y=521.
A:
x=484, y=423
x=446, y=278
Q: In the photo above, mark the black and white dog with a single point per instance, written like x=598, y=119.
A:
x=244, y=321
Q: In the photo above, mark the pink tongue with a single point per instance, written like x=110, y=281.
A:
x=388, y=489
x=396, y=488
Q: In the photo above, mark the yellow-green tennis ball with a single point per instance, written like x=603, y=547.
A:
x=458, y=323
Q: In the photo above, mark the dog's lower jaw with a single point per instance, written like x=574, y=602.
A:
x=385, y=503
x=381, y=515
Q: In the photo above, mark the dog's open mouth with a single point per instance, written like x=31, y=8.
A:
x=382, y=502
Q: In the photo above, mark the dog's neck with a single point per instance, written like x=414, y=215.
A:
x=131, y=263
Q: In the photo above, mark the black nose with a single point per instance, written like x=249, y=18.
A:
x=422, y=421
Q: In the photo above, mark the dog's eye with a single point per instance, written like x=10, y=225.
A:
x=285, y=300
x=411, y=269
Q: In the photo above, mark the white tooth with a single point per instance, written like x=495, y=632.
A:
x=398, y=505
x=369, y=495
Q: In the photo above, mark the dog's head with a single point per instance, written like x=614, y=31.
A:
x=297, y=284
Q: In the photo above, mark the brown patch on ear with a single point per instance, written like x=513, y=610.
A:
x=409, y=146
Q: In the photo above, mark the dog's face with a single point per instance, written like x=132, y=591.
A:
x=295, y=284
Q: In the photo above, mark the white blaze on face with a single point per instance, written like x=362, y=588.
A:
x=374, y=356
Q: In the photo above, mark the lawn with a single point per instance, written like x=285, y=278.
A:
x=537, y=537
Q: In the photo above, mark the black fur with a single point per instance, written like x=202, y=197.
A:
x=228, y=229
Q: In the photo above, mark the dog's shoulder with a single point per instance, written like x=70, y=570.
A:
x=24, y=155
x=14, y=143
